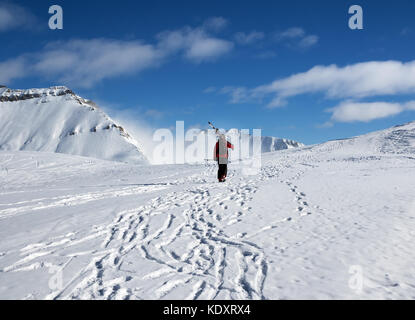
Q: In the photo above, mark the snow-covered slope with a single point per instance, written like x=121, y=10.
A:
x=399, y=139
x=57, y=120
x=332, y=221
x=271, y=144
x=268, y=144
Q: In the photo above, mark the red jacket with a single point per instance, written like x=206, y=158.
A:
x=224, y=154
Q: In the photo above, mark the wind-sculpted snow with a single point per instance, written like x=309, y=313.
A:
x=399, y=139
x=77, y=228
x=57, y=120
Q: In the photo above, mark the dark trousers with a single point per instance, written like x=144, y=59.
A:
x=222, y=171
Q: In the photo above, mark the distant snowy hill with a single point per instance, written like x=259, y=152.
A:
x=399, y=139
x=268, y=144
x=57, y=120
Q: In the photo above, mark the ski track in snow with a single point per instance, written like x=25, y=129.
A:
x=214, y=265
x=181, y=239
x=202, y=263
x=196, y=214
x=74, y=200
x=199, y=215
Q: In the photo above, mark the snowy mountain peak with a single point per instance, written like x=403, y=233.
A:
x=16, y=94
x=55, y=119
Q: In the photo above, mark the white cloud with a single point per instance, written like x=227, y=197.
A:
x=350, y=111
x=290, y=33
x=7, y=20
x=83, y=63
x=13, y=16
x=196, y=43
x=367, y=79
x=12, y=69
x=410, y=106
x=361, y=80
x=354, y=81
x=204, y=49
x=308, y=41
x=237, y=94
x=248, y=38
x=296, y=37
x=86, y=62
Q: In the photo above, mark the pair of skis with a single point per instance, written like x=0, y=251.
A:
x=218, y=133
x=213, y=127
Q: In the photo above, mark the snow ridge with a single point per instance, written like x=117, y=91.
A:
x=57, y=120
x=396, y=140
x=17, y=95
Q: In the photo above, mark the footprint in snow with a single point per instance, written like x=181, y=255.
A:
x=305, y=214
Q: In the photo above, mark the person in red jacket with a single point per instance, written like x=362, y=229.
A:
x=221, y=156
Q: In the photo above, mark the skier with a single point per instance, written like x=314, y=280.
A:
x=220, y=155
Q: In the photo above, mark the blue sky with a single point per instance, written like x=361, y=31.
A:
x=292, y=68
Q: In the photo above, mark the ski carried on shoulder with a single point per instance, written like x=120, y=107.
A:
x=213, y=127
